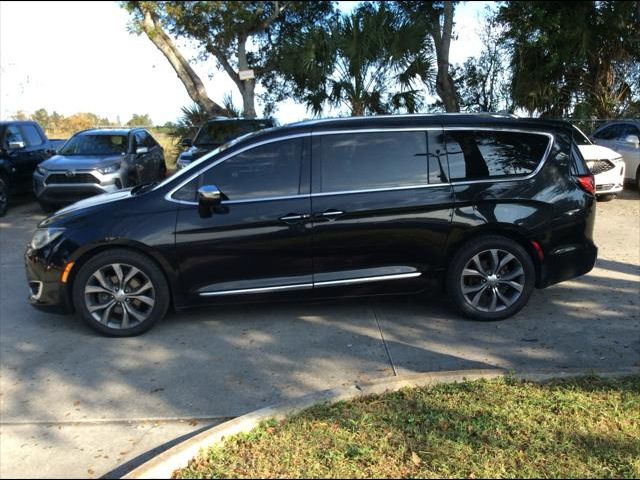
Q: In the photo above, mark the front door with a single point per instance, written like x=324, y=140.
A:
x=26, y=159
x=258, y=242
x=381, y=210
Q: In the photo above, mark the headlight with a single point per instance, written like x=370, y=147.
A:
x=591, y=164
x=41, y=170
x=110, y=169
x=44, y=236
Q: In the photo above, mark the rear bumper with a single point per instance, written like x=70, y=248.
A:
x=566, y=262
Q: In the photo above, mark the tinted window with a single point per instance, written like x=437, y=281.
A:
x=437, y=156
x=270, y=170
x=607, y=133
x=96, y=145
x=31, y=135
x=476, y=154
x=626, y=130
x=371, y=160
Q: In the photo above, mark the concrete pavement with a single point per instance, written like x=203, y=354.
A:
x=74, y=403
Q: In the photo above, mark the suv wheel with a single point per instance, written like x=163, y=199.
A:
x=121, y=293
x=491, y=278
x=4, y=196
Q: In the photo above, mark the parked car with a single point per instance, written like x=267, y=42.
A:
x=487, y=206
x=606, y=165
x=98, y=161
x=623, y=136
x=216, y=132
x=23, y=144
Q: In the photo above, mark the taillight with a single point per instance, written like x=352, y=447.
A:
x=587, y=183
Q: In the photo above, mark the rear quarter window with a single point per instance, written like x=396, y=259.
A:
x=480, y=154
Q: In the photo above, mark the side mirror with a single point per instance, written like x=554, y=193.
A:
x=16, y=145
x=209, y=197
x=185, y=142
x=142, y=150
x=633, y=140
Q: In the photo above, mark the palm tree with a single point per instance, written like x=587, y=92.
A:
x=370, y=62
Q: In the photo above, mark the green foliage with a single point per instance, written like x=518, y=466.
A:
x=580, y=428
x=368, y=62
x=138, y=120
x=569, y=53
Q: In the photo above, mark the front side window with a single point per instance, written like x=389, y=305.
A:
x=627, y=129
x=31, y=135
x=607, y=133
x=478, y=154
x=375, y=160
x=96, y=145
x=271, y=170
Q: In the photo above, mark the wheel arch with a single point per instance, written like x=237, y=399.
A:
x=161, y=262
x=509, y=231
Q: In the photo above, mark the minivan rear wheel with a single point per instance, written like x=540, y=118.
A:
x=121, y=293
x=491, y=278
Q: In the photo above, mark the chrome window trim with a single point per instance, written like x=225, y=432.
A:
x=305, y=286
x=230, y=155
x=514, y=178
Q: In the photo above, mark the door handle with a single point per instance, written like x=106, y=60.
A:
x=332, y=213
x=294, y=217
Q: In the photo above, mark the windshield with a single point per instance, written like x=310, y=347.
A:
x=219, y=132
x=580, y=138
x=96, y=145
x=197, y=163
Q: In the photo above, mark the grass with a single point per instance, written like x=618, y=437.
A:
x=583, y=428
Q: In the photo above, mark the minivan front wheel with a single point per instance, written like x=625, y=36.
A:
x=121, y=293
x=491, y=278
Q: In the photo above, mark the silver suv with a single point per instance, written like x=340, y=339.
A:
x=98, y=161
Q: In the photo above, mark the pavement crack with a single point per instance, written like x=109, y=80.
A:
x=384, y=342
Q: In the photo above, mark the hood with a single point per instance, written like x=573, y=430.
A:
x=88, y=203
x=598, y=152
x=80, y=162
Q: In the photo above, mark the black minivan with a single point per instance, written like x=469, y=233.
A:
x=487, y=206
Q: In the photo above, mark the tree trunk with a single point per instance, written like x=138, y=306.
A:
x=442, y=40
x=190, y=79
x=246, y=87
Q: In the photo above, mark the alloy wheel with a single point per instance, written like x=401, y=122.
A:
x=492, y=280
x=119, y=296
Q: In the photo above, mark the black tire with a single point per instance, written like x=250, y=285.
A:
x=4, y=196
x=124, y=258
x=47, y=207
x=606, y=197
x=485, y=286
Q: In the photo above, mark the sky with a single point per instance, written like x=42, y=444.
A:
x=80, y=57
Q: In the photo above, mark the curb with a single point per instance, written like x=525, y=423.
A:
x=163, y=465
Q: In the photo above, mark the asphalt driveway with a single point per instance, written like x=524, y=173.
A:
x=74, y=403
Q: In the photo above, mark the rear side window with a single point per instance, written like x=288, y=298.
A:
x=478, y=154
x=31, y=135
x=270, y=170
x=363, y=161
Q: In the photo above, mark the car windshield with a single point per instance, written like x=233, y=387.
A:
x=219, y=132
x=96, y=145
x=580, y=138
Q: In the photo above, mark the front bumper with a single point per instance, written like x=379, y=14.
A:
x=51, y=189
x=611, y=181
x=46, y=290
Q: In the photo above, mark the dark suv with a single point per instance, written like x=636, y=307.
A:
x=23, y=145
x=487, y=206
x=217, y=132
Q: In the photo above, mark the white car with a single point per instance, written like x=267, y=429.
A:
x=607, y=166
x=623, y=136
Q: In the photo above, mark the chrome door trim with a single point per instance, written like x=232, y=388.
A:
x=299, y=286
x=380, y=278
